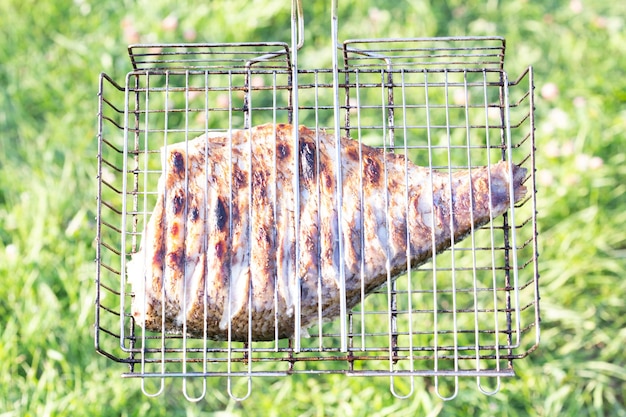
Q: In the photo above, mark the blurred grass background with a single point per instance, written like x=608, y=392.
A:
x=50, y=55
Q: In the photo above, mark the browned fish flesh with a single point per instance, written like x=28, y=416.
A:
x=224, y=248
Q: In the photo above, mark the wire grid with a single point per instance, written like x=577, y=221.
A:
x=444, y=103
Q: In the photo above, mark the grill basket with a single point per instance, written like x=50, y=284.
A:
x=446, y=103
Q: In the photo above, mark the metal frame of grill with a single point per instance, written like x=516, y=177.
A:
x=446, y=103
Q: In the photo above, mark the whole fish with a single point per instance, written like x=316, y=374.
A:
x=224, y=248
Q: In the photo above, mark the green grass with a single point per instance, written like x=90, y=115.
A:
x=50, y=55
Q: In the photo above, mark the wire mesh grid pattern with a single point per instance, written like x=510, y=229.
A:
x=445, y=104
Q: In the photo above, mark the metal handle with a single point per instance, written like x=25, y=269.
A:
x=297, y=24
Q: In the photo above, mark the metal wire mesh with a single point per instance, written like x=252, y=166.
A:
x=446, y=103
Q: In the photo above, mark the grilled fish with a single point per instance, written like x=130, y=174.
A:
x=247, y=228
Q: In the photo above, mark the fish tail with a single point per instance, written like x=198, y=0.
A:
x=519, y=176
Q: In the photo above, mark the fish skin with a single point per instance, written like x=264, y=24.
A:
x=219, y=250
